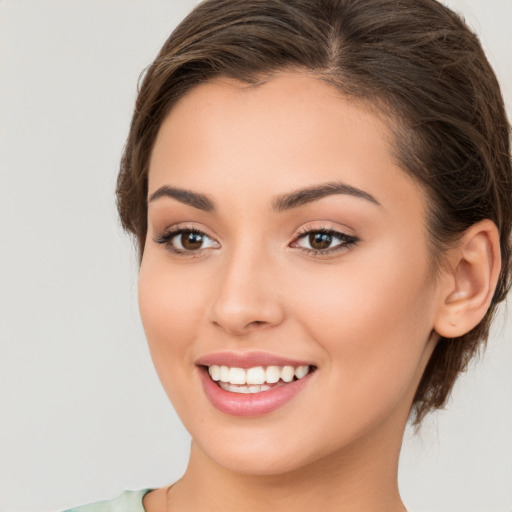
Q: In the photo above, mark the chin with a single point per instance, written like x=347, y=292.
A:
x=256, y=462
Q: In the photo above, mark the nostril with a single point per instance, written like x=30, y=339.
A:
x=256, y=324
x=240, y=306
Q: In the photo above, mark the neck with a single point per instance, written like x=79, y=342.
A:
x=362, y=477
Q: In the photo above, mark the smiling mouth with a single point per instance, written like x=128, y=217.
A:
x=256, y=379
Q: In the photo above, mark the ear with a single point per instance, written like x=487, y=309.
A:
x=469, y=280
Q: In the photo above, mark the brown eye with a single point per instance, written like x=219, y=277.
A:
x=320, y=241
x=183, y=241
x=324, y=241
x=191, y=241
x=188, y=240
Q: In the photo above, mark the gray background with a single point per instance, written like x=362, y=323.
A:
x=82, y=412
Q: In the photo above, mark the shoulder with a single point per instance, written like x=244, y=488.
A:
x=128, y=501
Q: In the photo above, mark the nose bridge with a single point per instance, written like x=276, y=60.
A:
x=246, y=296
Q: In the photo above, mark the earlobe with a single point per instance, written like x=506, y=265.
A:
x=470, y=281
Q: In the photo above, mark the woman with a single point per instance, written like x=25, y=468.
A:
x=321, y=194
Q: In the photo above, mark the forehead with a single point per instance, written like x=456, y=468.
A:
x=292, y=130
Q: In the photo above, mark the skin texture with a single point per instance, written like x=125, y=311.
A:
x=364, y=315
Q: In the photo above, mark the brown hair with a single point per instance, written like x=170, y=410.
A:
x=414, y=60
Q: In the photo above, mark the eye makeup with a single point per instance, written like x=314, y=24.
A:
x=323, y=241
x=188, y=240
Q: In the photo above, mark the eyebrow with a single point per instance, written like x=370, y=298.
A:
x=199, y=201
x=307, y=195
x=282, y=203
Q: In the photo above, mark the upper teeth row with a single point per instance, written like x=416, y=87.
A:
x=256, y=375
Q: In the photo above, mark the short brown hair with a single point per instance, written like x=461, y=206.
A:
x=416, y=61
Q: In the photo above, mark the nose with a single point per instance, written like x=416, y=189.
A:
x=247, y=294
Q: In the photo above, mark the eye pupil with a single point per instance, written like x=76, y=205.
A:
x=191, y=241
x=320, y=241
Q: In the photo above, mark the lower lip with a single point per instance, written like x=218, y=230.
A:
x=250, y=404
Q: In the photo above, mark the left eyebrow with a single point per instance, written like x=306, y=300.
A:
x=310, y=194
x=194, y=199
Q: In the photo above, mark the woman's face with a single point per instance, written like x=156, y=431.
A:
x=281, y=232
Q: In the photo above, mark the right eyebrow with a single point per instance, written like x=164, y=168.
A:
x=310, y=194
x=199, y=201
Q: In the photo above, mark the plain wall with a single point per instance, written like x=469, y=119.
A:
x=83, y=415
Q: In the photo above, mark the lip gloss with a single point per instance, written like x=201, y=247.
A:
x=250, y=404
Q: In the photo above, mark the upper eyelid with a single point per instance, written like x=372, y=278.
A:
x=306, y=231
x=166, y=236
x=345, y=237
x=181, y=227
x=324, y=227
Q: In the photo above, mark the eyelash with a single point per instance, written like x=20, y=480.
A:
x=346, y=241
x=167, y=237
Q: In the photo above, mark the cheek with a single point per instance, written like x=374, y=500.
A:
x=170, y=298
x=373, y=317
x=172, y=313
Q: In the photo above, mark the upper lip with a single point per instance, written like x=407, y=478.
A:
x=248, y=360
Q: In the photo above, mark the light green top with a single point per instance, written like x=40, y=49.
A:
x=128, y=501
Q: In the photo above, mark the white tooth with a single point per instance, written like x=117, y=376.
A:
x=224, y=373
x=256, y=375
x=238, y=389
x=214, y=372
x=237, y=376
x=273, y=374
x=287, y=373
x=243, y=389
x=301, y=371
